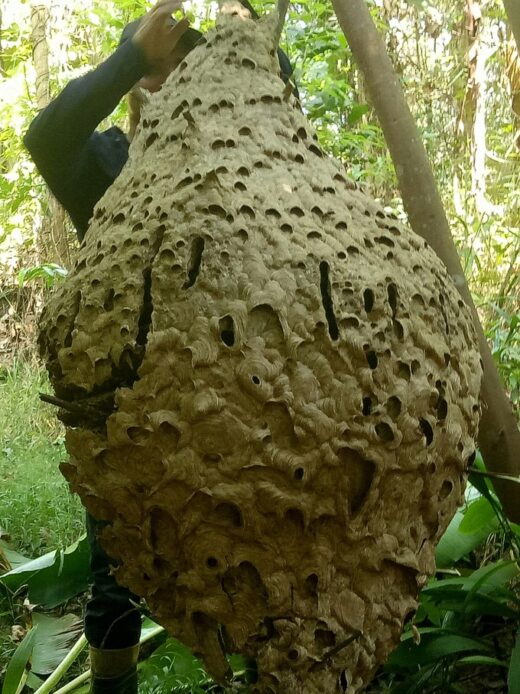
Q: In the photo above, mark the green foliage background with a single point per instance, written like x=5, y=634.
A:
x=468, y=614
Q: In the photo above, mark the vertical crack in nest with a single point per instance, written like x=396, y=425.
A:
x=197, y=249
x=74, y=409
x=67, y=342
x=145, y=318
x=392, y=298
x=93, y=411
x=326, y=297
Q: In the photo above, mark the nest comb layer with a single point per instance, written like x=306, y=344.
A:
x=296, y=381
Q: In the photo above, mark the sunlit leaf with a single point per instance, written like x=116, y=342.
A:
x=455, y=544
x=479, y=517
x=49, y=272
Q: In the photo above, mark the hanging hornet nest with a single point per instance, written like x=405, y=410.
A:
x=273, y=383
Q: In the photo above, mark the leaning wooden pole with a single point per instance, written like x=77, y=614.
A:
x=283, y=6
x=512, y=8
x=499, y=436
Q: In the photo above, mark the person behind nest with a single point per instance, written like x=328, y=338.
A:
x=79, y=164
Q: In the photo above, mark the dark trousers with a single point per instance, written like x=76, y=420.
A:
x=111, y=620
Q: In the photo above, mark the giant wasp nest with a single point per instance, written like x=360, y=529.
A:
x=273, y=383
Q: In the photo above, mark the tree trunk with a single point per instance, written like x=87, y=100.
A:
x=283, y=6
x=39, y=21
x=499, y=437
x=55, y=245
x=479, y=51
x=512, y=8
x=513, y=75
x=476, y=89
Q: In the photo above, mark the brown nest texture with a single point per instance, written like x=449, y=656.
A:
x=272, y=383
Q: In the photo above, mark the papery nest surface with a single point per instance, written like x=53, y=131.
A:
x=276, y=382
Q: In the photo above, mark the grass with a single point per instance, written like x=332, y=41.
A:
x=37, y=511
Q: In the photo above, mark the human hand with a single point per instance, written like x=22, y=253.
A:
x=157, y=36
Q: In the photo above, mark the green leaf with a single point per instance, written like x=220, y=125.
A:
x=423, y=631
x=479, y=517
x=33, y=681
x=16, y=669
x=55, y=577
x=454, y=544
x=10, y=558
x=54, y=636
x=414, y=683
x=49, y=272
x=494, y=575
x=482, y=660
x=484, y=591
x=513, y=676
x=433, y=648
x=496, y=605
x=479, y=481
x=238, y=662
x=172, y=665
x=148, y=626
x=357, y=112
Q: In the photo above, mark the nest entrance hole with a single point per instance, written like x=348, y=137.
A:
x=227, y=331
x=360, y=475
x=326, y=297
x=197, y=249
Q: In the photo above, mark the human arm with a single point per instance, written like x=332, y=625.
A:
x=78, y=163
x=58, y=136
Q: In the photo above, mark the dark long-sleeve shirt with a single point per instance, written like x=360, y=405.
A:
x=77, y=163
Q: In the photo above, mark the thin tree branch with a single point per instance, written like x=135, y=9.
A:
x=499, y=437
x=283, y=6
x=62, y=404
x=493, y=475
x=510, y=278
